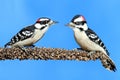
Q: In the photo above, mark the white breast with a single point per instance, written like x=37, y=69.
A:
x=85, y=43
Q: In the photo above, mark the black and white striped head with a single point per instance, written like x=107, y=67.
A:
x=79, y=22
x=44, y=22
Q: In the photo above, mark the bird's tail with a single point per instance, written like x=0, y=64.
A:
x=108, y=63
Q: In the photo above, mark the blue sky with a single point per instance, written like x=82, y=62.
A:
x=102, y=16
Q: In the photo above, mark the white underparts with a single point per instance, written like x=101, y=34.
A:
x=85, y=43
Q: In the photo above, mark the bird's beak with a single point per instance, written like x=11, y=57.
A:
x=55, y=22
x=70, y=24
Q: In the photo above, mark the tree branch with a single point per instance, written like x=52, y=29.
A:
x=45, y=54
x=54, y=54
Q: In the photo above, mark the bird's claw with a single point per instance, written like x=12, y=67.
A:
x=91, y=53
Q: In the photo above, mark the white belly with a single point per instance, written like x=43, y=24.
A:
x=36, y=36
x=85, y=43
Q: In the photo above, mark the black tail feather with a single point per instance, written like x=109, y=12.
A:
x=108, y=63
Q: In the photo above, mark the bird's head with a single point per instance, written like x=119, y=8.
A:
x=78, y=22
x=44, y=22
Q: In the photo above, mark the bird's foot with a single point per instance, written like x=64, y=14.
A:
x=90, y=53
x=23, y=49
x=78, y=49
x=33, y=46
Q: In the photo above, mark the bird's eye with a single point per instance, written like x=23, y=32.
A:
x=44, y=22
x=80, y=23
x=47, y=21
x=77, y=23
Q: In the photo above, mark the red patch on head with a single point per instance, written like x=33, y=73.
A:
x=38, y=21
x=83, y=19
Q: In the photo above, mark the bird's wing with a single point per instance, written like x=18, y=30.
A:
x=23, y=34
x=95, y=38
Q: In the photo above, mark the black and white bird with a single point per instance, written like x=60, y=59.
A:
x=31, y=34
x=87, y=39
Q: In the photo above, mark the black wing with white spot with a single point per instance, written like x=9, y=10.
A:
x=93, y=37
x=23, y=34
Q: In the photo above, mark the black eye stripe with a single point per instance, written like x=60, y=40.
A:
x=80, y=23
x=44, y=22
